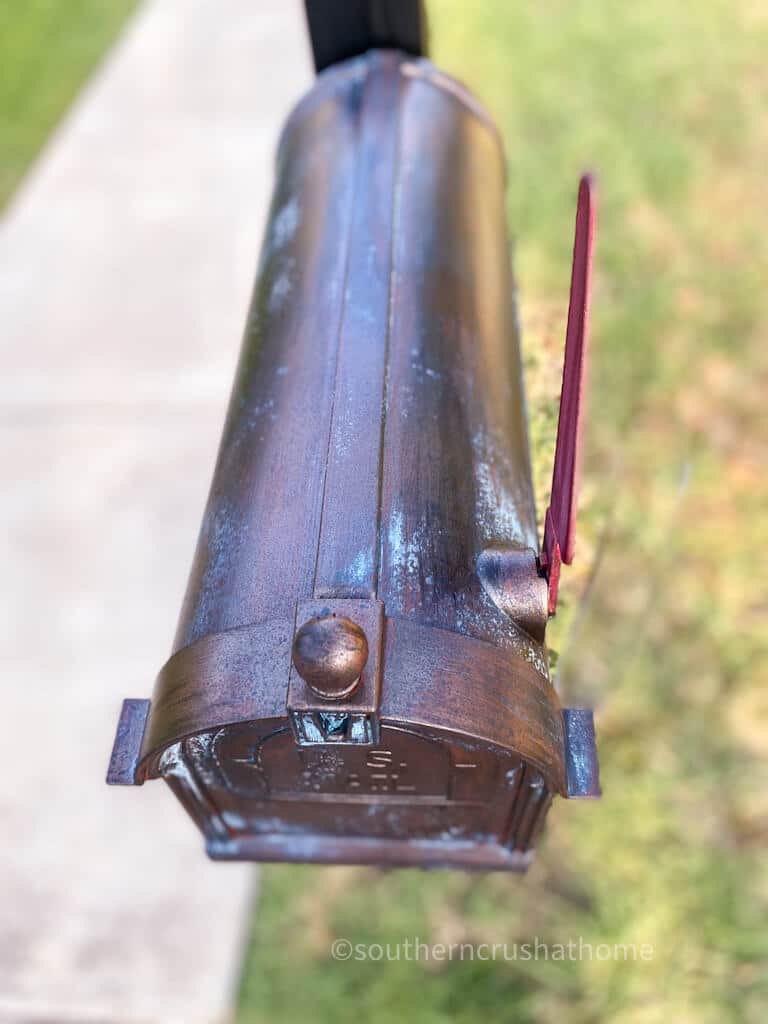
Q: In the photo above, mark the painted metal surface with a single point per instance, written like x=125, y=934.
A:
x=560, y=521
x=374, y=468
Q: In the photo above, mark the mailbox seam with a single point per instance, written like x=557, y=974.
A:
x=340, y=326
x=397, y=185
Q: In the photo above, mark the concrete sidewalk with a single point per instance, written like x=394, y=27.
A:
x=126, y=263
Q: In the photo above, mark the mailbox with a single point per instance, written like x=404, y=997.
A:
x=360, y=672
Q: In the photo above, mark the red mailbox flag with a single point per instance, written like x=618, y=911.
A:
x=560, y=521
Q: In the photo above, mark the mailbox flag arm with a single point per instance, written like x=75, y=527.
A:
x=560, y=519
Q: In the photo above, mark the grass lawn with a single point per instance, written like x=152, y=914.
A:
x=47, y=48
x=667, y=102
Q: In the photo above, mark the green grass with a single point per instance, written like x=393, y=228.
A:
x=666, y=102
x=47, y=48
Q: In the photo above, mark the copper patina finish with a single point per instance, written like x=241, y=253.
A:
x=329, y=653
x=359, y=673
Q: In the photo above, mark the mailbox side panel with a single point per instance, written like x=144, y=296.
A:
x=456, y=473
x=258, y=541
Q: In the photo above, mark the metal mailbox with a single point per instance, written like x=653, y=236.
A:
x=360, y=673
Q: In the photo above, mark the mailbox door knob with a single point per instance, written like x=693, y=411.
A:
x=330, y=652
